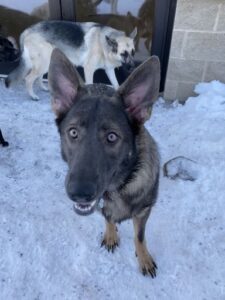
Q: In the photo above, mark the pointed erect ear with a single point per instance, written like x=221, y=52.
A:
x=141, y=89
x=64, y=82
x=133, y=34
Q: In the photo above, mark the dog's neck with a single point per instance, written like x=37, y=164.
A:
x=142, y=170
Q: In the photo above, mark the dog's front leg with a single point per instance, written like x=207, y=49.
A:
x=89, y=73
x=112, y=77
x=110, y=239
x=147, y=264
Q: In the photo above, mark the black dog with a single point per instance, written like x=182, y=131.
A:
x=2, y=141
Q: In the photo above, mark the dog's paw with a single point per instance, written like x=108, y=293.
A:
x=110, y=245
x=34, y=97
x=110, y=241
x=4, y=144
x=147, y=265
x=44, y=88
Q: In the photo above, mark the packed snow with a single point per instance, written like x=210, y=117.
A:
x=48, y=252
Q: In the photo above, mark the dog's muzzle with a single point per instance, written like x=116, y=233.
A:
x=128, y=61
x=83, y=194
x=85, y=208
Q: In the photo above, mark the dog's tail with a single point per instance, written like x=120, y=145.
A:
x=21, y=70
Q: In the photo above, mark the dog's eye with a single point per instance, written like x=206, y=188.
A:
x=112, y=137
x=73, y=133
x=132, y=52
x=124, y=54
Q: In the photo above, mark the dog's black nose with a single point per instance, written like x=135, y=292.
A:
x=81, y=193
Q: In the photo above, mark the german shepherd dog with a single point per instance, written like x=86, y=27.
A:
x=89, y=45
x=110, y=154
x=2, y=140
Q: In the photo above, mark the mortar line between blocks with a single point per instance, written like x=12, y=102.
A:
x=204, y=71
x=199, y=31
x=217, y=18
x=184, y=44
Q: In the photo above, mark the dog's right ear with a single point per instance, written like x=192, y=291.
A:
x=141, y=89
x=133, y=34
x=64, y=82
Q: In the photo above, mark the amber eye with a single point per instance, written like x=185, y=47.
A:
x=73, y=133
x=112, y=137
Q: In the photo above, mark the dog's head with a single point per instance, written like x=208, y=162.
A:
x=98, y=127
x=121, y=49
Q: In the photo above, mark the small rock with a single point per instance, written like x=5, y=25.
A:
x=182, y=168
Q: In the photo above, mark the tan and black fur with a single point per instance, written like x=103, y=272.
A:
x=110, y=154
x=89, y=45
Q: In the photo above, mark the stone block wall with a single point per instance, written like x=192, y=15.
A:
x=198, y=47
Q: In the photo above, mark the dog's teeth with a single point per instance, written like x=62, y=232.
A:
x=86, y=207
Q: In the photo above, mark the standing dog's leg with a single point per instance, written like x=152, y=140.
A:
x=42, y=85
x=2, y=141
x=110, y=239
x=112, y=77
x=30, y=79
x=89, y=74
x=146, y=262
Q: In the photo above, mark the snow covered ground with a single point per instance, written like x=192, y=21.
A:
x=48, y=252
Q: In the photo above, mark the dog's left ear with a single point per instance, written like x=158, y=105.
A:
x=64, y=82
x=141, y=89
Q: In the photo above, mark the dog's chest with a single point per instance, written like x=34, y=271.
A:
x=115, y=209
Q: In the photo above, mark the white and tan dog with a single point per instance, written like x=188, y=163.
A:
x=89, y=45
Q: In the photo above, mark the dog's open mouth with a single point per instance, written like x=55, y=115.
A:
x=85, y=208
